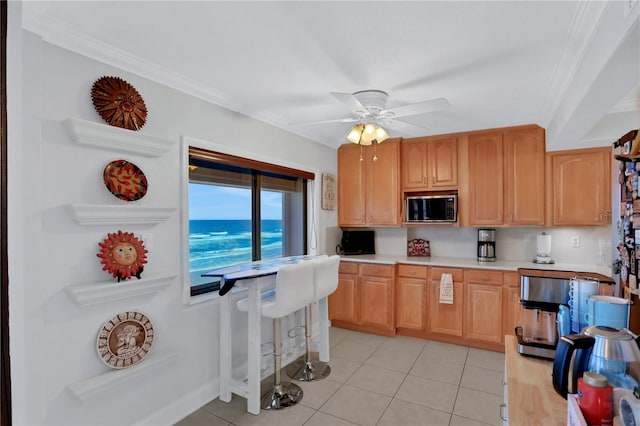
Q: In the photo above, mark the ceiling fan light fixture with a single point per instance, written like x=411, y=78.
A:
x=356, y=133
x=366, y=134
x=381, y=134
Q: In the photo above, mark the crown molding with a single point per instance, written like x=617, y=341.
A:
x=581, y=31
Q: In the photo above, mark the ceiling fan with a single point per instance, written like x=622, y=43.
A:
x=368, y=106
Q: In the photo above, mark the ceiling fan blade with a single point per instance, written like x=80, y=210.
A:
x=418, y=108
x=336, y=120
x=350, y=102
x=405, y=128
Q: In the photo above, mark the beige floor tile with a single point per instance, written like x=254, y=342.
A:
x=292, y=416
x=342, y=369
x=463, y=421
x=430, y=393
x=483, y=379
x=371, y=339
x=317, y=392
x=437, y=369
x=202, y=418
x=375, y=379
x=402, y=413
x=356, y=405
x=229, y=411
x=480, y=406
x=324, y=419
x=337, y=335
x=354, y=350
x=486, y=359
x=404, y=344
x=453, y=353
x=392, y=359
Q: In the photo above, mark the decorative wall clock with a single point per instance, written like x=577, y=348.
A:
x=119, y=103
x=123, y=255
x=125, y=180
x=125, y=340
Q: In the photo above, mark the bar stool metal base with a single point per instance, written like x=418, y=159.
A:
x=308, y=371
x=281, y=396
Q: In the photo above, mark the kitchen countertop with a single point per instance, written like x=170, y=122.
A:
x=531, y=398
x=462, y=262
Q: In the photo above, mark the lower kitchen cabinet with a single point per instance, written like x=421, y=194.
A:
x=365, y=299
x=446, y=318
x=483, y=313
x=511, y=308
x=411, y=298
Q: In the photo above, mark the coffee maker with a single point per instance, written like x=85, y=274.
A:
x=486, y=245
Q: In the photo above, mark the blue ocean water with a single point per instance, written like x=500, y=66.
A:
x=217, y=243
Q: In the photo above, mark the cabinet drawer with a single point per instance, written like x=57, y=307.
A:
x=512, y=279
x=436, y=273
x=412, y=271
x=482, y=276
x=376, y=270
x=348, y=268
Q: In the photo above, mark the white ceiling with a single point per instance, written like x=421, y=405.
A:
x=497, y=63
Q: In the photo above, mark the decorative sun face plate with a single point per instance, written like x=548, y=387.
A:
x=125, y=340
x=123, y=255
x=119, y=103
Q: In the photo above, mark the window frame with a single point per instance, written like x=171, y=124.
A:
x=216, y=153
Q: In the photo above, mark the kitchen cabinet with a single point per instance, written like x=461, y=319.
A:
x=369, y=184
x=483, y=305
x=429, y=164
x=524, y=149
x=446, y=318
x=506, y=174
x=364, y=299
x=411, y=297
x=579, y=187
x=511, y=308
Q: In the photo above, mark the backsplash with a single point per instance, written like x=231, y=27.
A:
x=511, y=243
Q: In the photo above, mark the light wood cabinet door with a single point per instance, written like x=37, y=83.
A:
x=485, y=180
x=343, y=301
x=429, y=164
x=443, y=163
x=376, y=302
x=580, y=186
x=445, y=318
x=524, y=150
x=512, y=310
x=414, y=164
x=351, y=186
x=382, y=183
x=411, y=299
x=483, y=312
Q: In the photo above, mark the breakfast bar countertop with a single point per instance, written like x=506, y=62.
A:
x=472, y=263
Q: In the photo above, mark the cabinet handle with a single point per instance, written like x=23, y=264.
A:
x=502, y=416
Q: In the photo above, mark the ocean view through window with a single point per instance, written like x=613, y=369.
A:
x=239, y=214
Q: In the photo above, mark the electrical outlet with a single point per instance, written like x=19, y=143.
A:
x=575, y=241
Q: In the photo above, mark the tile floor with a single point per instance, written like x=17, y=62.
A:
x=377, y=380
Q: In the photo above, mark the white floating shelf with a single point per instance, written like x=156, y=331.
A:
x=104, y=136
x=96, y=214
x=92, y=294
x=113, y=380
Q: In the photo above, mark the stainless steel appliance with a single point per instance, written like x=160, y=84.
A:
x=541, y=297
x=432, y=208
x=605, y=350
x=486, y=245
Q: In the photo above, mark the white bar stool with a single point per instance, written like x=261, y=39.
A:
x=325, y=282
x=294, y=291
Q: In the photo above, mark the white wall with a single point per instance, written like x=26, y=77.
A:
x=53, y=339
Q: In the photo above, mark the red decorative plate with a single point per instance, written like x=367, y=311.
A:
x=125, y=340
x=119, y=103
x=125, y=180
x=418, y=247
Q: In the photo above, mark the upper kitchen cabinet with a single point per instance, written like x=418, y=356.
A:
x=504, y=180
x=524, y=149
x=369, y=184
x=429, y=164
x=579, y=187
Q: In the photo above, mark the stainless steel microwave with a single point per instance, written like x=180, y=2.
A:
x=432, y=208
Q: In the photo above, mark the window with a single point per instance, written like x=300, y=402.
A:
x=242, y=210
